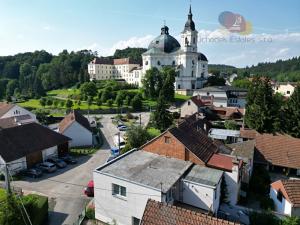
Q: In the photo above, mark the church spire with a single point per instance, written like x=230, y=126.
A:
x=190, y=25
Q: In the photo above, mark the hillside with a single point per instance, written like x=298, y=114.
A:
x=281, y=70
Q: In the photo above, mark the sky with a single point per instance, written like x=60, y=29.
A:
x=106, y=25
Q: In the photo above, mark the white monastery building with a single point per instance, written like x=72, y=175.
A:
x=191, y=66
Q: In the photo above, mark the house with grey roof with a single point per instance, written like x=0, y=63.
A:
x=123, y=186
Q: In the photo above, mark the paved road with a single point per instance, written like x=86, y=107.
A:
x=65, y=187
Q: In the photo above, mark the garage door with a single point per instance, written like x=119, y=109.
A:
x=34, y=158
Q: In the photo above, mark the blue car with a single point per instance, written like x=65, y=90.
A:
x=114, y=151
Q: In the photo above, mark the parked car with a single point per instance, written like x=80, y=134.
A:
x=58, y=162
x=120, y=125
x=122, y=128
x=33, y=172
x=47, y=167
x=68, y=159
x=89, y=189
x=114, y=151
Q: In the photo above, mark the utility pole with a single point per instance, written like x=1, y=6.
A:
x=7, y=181
x=119, y=141
x=140, y=119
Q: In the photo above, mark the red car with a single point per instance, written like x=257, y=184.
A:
x=89, y=190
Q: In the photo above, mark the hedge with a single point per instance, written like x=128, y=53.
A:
x=37, y=208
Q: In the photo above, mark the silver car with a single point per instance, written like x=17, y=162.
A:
x=47, y=167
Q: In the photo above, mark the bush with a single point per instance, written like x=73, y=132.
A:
x=90, y=213
x=37, y=208
x=267, y=203
x=265, y=218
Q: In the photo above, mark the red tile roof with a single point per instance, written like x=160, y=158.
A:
x=290, y=189
x=248, y=133
x=279, y=150
x=5, y=107
x=70, y=118
x=223, y=162
x=157, y=213
x=124, y=61
x=199, y=101
x=228, y=112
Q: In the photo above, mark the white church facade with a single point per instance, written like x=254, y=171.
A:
x=191, y=66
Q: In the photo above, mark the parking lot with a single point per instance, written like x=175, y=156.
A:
x=65, y=186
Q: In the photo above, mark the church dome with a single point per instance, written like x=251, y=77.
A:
x=202, y=57
x=165, y=42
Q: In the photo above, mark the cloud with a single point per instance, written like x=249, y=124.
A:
x=138, y=42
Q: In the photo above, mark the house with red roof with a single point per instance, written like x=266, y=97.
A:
x=194, y=105
x=286, y=196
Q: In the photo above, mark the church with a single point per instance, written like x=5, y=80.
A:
x=165, y=50
x=191, y=66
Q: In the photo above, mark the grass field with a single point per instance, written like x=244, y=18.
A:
x=61, y=95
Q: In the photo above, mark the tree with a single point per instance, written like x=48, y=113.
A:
x=162, y=119
x=10, y=211
x=168, y=88
x=88, y=89
x=292, y=114
x=136, y=103
x=98, y=102
x=110, y=102
x=119, y=98
x=69, y=104
x=136, y=136
x=43, y=101
x=127, y=100
x=11, y=86
x=231, y=125
x=260, y=114
x=215, y=81
x=105, y=95
x=293, y=220
x=152, y=83
x=49, y=102
x=89, y=101
x=38, y=89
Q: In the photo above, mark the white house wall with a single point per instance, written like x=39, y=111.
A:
x=204, y=197
x=16, y=165
x=80, y=136
x=233, y=185
x=18, y=111
x=283, y=207
x=109, y=208
x=187, y=110
x=49, y=152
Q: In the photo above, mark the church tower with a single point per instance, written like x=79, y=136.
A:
x=189, y=36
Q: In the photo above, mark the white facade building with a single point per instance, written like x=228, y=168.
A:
x=123, y=186
x=286, y=89
x=125, y=69
x=224, y=96
x=191, y=66
x=76, y=127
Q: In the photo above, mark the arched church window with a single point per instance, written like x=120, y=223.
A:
x=194, y=40
x=186, y=41
x=158, y=62
x=146, y=63
x=192, y=73
x=193, y=62
x=173, y=63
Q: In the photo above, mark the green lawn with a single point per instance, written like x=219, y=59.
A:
x=31, y=103
x=63, y=93
x=153, y=132
x=181, y=98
